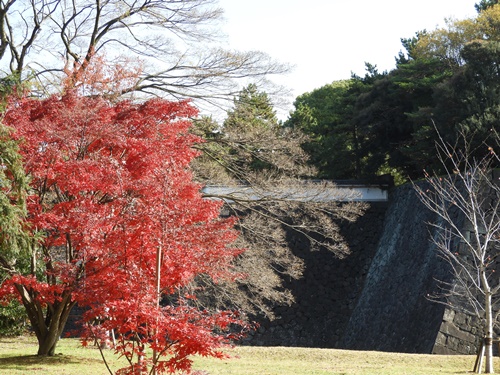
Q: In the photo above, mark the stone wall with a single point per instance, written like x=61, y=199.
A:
x=459, y=333
x=393, y=313
x=375, y=298
x=327, y=294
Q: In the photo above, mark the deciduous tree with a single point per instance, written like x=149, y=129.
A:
x=124, y=228
x=466, y=203
x=446, y=43
x=176, y=43
x=268, y=186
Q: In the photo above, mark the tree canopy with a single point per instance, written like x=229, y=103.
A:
x=326, y=115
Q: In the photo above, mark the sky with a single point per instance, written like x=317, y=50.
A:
x=326, y=40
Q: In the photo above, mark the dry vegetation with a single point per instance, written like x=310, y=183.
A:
x=16, y=358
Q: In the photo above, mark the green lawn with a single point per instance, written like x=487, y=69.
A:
x=17, y=357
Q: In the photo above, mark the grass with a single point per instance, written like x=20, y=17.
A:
x=288, y=361
x=17, y=357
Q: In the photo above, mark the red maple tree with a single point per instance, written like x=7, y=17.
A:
x=124, y=228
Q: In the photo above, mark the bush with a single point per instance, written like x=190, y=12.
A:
x=13, y=319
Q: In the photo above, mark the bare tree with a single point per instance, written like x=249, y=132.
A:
x=467, y=202
x=176, y=42
x=260, y=170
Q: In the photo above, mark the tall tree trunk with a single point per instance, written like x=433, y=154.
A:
x=47, y=344
x=55, y=326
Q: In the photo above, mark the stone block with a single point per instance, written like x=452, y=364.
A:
x=452, y=331
x=442, y=350
x=466, y=348
x=453, y=343
x=441, y=339
x=460, y=319
x=448, y=315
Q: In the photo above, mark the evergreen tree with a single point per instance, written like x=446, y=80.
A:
x=14, y=183
x=484, y=4
x=253, y=119
x=325, y=115
x=252, y=108
x=14, y=239
x=469, y=102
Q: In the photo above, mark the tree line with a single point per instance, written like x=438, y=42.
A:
x=384, y=122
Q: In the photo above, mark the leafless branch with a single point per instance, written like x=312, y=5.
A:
x=467, y=231
x=178, y=41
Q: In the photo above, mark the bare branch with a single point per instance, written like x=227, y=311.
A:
x=178, y=41
x=467, y=232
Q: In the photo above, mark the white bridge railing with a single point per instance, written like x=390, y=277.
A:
x=339, y=192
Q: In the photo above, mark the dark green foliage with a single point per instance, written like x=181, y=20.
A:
x=464, y=100
x=484, y=4
x=373, y=125
x=386, y=123
x=10, y=85
x=13, y=319
x=253, y=108
x=325, y=115
x=411, y=149
x=252, y=117
x=469, y=102
x=409, y=46
x=14, y=237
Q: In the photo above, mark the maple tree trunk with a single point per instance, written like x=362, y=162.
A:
x=47, y=344
x=54, y=324
x=48, y=327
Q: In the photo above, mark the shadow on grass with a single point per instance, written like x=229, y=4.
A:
x=31, y=360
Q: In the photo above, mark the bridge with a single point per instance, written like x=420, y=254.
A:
x=317, y=191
